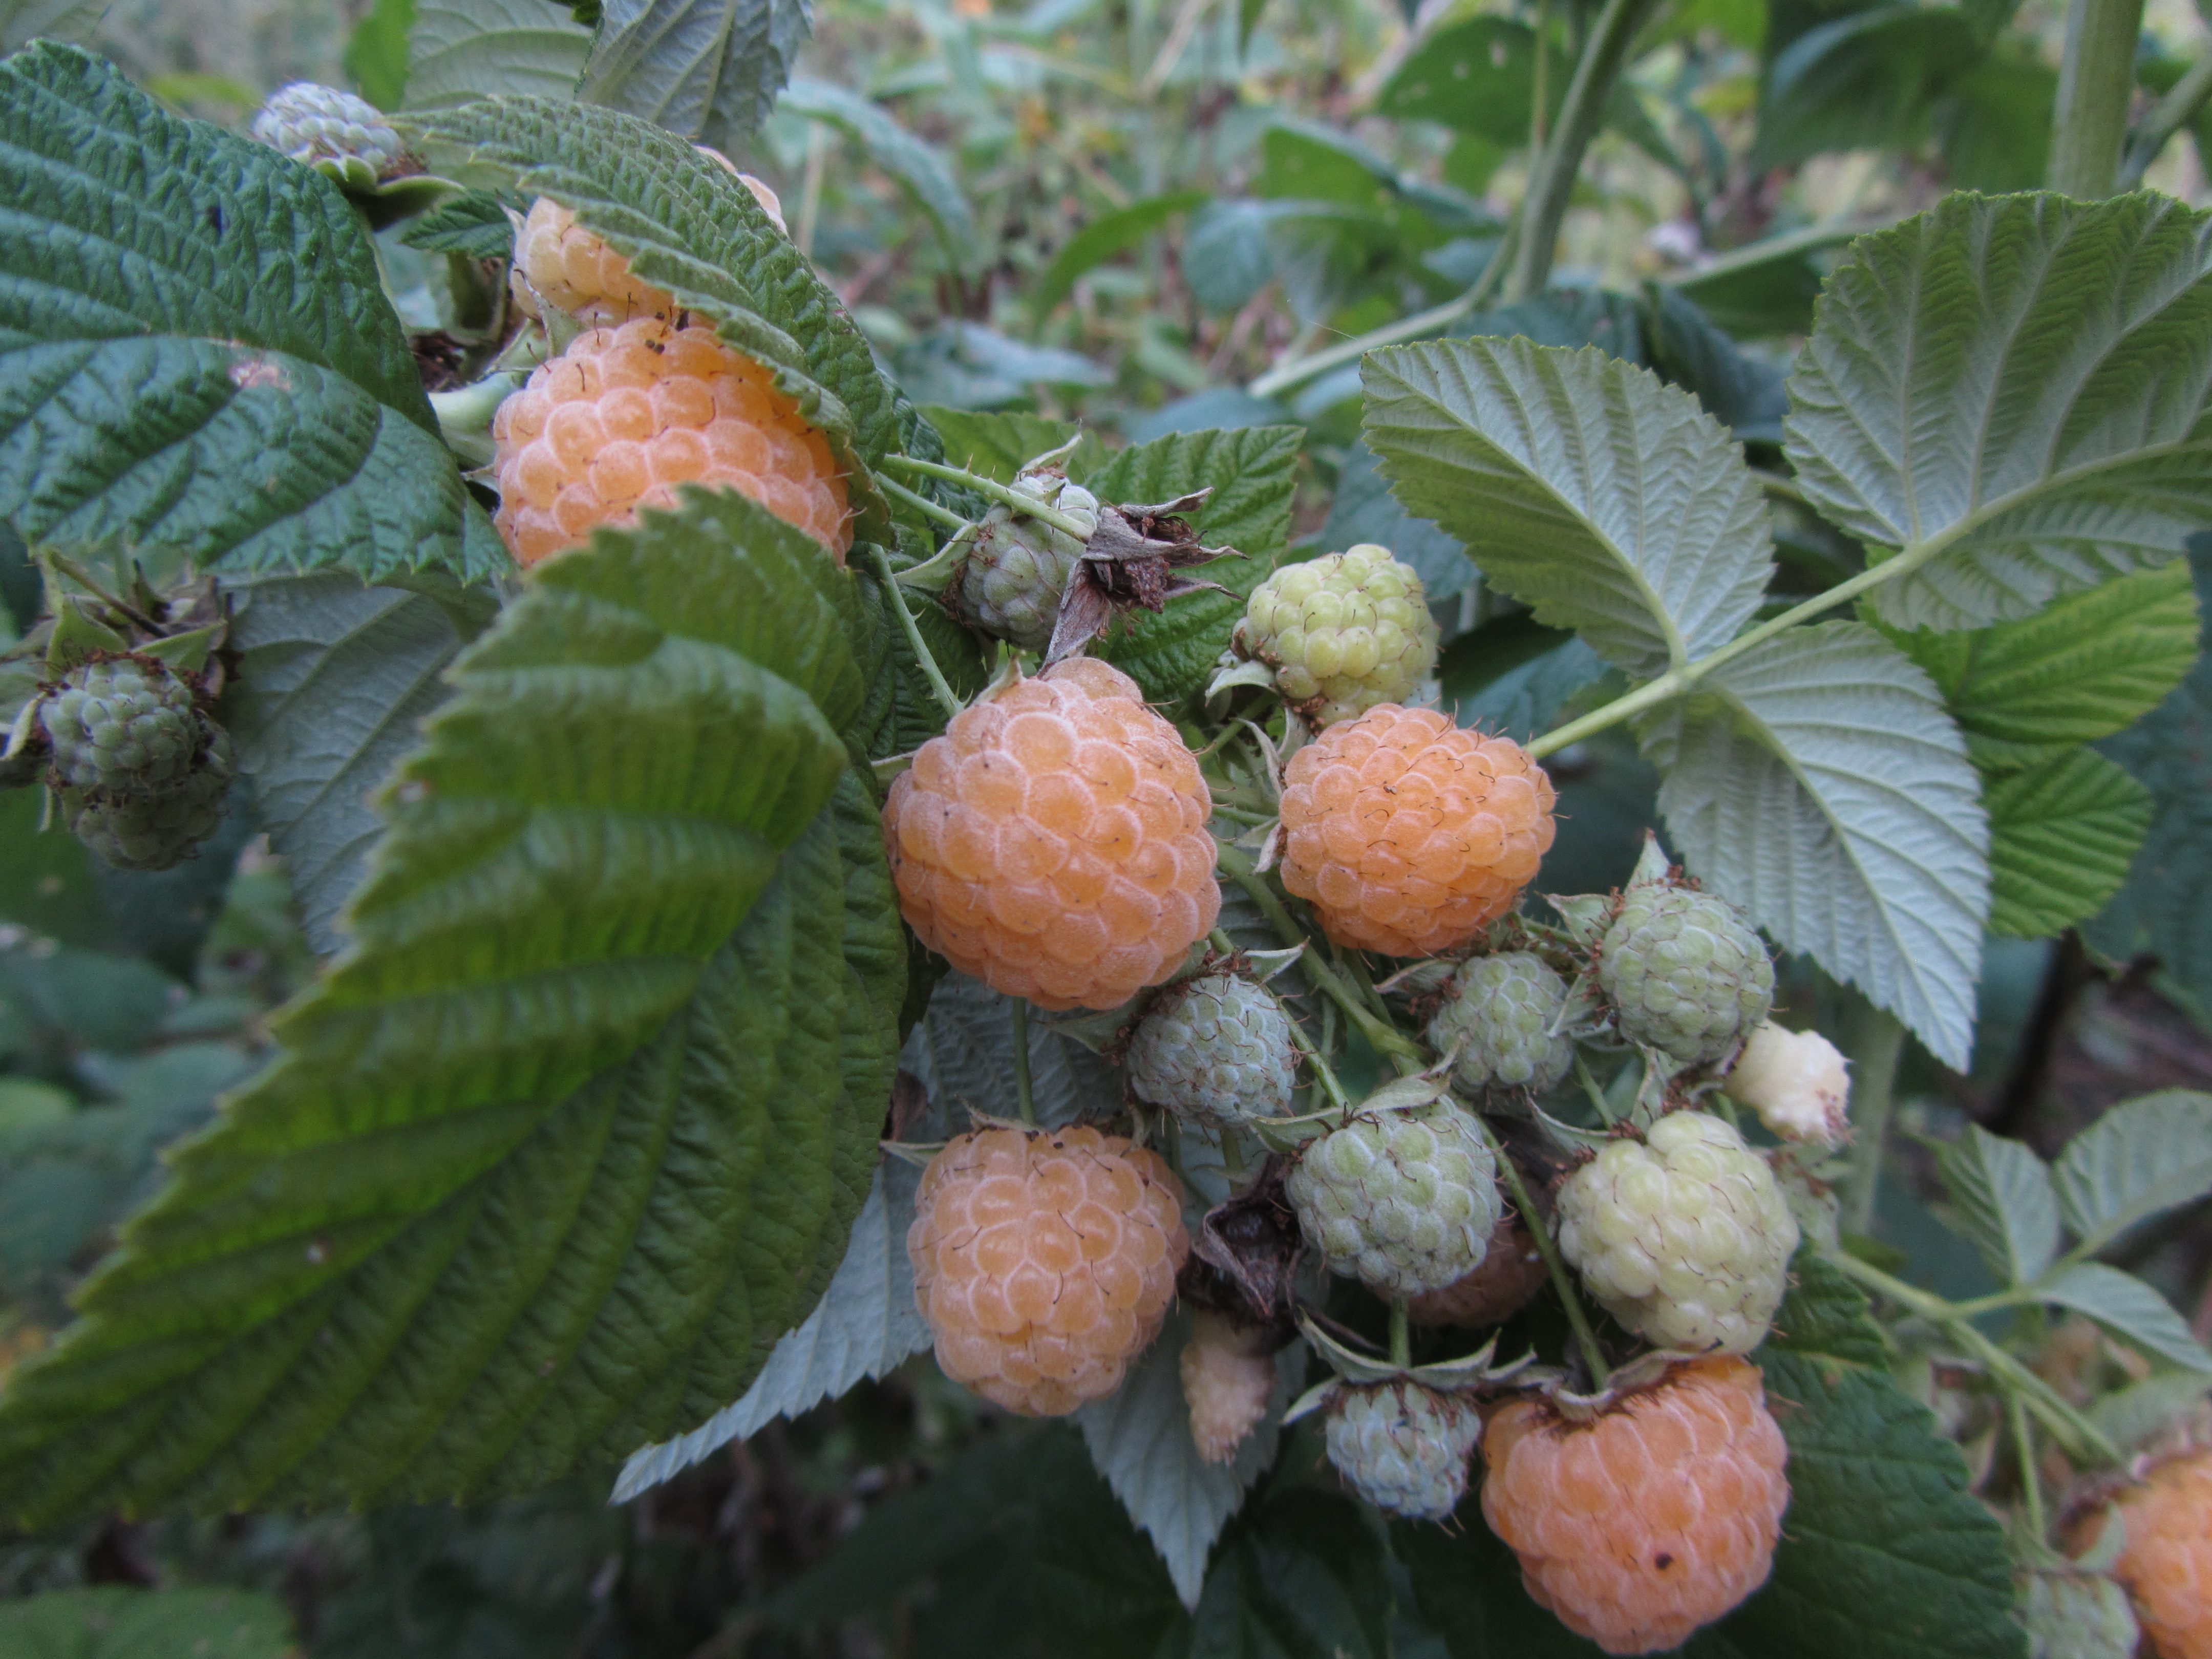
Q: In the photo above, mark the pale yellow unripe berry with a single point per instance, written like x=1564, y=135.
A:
x=1796, y=1081
x=1227, y=1379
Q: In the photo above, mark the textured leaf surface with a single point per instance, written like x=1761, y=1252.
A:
x=464, y=49
x=2014, y=388
x=864, y=1324
x=1302, y=1574
x=1365, y=510
x=110, y=1622
x=2062, y=836
x=708, y=70
x=688, y=226
x=1253, y=472
x=1139, y=1440
x=1109, y=234
x=2143, y=1156
x=994, y=443
x=574, y=1132
x=918, y=167
x=2130, y=1310
x=195, y=352
x=335, y=682
x=1610, y=502
x=2005, y=1200
x=1817, y=782
x=2082, y=668
x=963, y=1054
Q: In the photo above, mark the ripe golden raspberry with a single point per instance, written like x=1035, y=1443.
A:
x=558, y=262
x=2167, y=1563
x=1044, y=1261
x=1227, y=1377
x=625, y=415
x=1650, y=1520
x=1407, y=833
x=1053, y=841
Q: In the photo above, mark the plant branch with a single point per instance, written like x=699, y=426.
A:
x=921, y=503
x=930, y=670
x=2167, y=117
x=2031, y=1479
x=1875, y=1039
x=2095, y=81
x=1294, y=372
x=1554, y=1264
x=1402, y=1335
x=1027, y=506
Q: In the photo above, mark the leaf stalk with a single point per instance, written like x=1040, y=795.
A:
x=1028, y=506
x=930, y=671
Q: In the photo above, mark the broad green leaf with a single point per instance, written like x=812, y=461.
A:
x=919, y=168
x=1225, y=257
x=865, y=1323
x=2083, y=667
x=708, y=70
x=376, y=53
x=2062, y=836
x=1609, y=503
x=2142, y=1410
x=994, y=443
x=1817, y=782
x=2005, y=1200
x=1826, y=1314
x=1303, y=1574
x=1764, y=288
x=73, y=998
x=2145, y=1155
x=1365, y=510
x=2129, y=1309
x=1524, y=700
x=688, y=226
x=903, y=711
x=335, y=681
x=1140, y=1442
x=2013, y=391
x=171, y=376
x=1467, y=1587
x=2077, y=1616
x=962, y=1053
x=1994, y=128
x=465, y=49
x=45, y=877
x=22, y=22
x=1744, y=394
x=576, y=1128
x=1253, y=472
x=110, y=1622
x=1867, y=81
x=1109, y=234
x=474, y=222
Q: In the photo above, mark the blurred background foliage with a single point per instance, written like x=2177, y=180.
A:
x=1149, y=216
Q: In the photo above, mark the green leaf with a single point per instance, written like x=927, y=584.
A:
x=577, y=1127
x=962, y=1055
x=376, y=53
x=688, y=226
x=2143, y=1156
x=1525, y=699
x=45, y=877
x=474, y=222
x=1109, y=234
x=1365, y=510
x=708, y=70
x=1744, y=394
x=334, y=682
x=1763, y=287
x=919, y=167
x=1302, y=1574
x=1610, y=503
x=2077, y=1616
x=1817, y=782
x=865, y=1323
x=465, y=49
x=110, y=1622
x=2006, y=388
x=2062, y=836
x=1867, y=81
x=1467, y=1586
x=1826, y=1314
x=2129, y=1309
x=994, y=443
x=2083, y=667
x=166, y=381
x=1994, y=127
x=22, y=22
x=2005, y=1200
x=1253, y=472
x=1477, y=76
x=1140, y=1442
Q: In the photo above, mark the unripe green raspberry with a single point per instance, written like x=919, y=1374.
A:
x=1404, y=1201
x=1017, y=568
x=126, y=724
x=1497, y=1013
x=1685, y=974
x=1216, y=1048
x=1404, y=1448
x=1343, y=633
x=1683, y=1236
x=330, y=130
x=154, y=831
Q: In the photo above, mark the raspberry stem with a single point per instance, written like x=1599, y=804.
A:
x=1024, y=1101
x=1555, y=1264
x=2031, y=1479
x=1023, y=505
x=1402, y=1335
x=930, y=671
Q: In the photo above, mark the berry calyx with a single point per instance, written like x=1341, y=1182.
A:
x=1409, y=834
x=1228, y=1377
x=1656, y=1517
x=1405, y=1201
x=1684, y=972
x=1684, y=1237
x=1402, y=1447
x=1497, y=1016
x=1053, y=841
x=1343, y=633
x=1044, y=1261
x=1216, y=1048
x=622, y=416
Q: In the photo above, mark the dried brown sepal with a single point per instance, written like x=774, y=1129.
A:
x=1132, y=561
x=1245, y=1254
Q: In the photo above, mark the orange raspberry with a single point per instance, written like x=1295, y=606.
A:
x=1657, y=1516
x=1053, y=841
x=1407, y=833
x=625, y=415
x=1044, y=1261
x=560, y=264
x=1227, y=1376
x=2167, y=1563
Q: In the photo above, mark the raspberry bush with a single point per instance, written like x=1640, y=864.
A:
x=612, y=831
